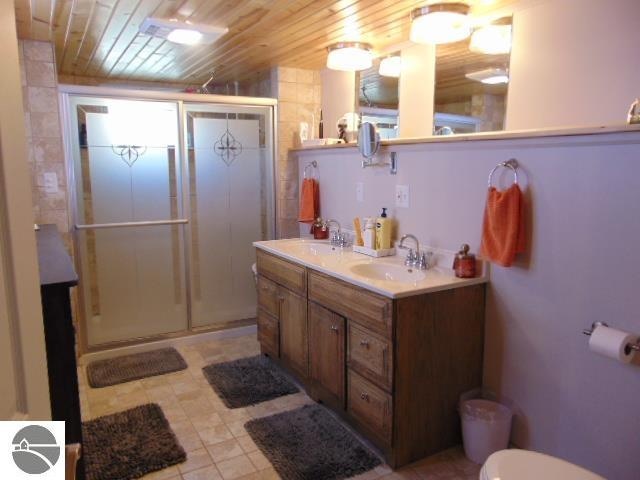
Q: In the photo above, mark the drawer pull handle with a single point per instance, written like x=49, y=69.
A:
x=280, y=298
x=334, y=328
x=364, y=343
x=364, y=396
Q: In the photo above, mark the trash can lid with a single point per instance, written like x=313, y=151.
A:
x=517, y=464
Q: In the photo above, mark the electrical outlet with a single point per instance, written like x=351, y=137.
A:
x=402, y=196
x=50, y=182
x=360, y=192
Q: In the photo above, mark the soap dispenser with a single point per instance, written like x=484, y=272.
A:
x=383, y=231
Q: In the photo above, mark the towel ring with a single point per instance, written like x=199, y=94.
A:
x=512, y=164
x=313, y=165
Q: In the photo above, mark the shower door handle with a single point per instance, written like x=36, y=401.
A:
x=150, y=223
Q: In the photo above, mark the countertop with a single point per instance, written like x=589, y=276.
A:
x=339, y=263
x=54, y=262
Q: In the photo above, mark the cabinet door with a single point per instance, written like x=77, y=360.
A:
x=327, y=350
x=294, y=348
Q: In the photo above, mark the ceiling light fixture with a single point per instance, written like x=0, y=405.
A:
x=181, y=32
x=489, y=76
x=390, y=66
x=349, y=56
x=491, y=39
x=440, y=23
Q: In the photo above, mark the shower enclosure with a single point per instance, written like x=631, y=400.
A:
x=169, y=193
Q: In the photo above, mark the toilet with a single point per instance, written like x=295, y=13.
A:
x=517, y=464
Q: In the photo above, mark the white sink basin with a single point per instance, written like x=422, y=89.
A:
x=390, y=273
x=315, y=248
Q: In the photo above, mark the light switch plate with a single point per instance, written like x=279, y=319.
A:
x=50, y=182
x=360, y=192
x=402, y=196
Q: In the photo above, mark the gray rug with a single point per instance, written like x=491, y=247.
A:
x=129, y=444
x=248, y=381
x=112, y=371
x=310, y=444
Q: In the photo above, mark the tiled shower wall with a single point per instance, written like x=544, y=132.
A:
x=44, y=135
x=299, y=97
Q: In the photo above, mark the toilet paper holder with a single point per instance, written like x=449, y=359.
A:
x=631, y=346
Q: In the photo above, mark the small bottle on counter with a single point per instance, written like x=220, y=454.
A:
x=369, y=232
x=320, y=230
x=383, y=231
x=464, y=264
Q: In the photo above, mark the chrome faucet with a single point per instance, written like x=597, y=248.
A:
x=414, y=259
x=337, y=238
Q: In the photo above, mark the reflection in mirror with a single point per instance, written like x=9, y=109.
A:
x=368, y=140
x=471, y=81
x=378, y=100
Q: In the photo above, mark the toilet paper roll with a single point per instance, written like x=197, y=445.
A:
x=612, y=343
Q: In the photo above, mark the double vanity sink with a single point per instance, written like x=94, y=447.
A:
x=387, y=276
x=387, y=347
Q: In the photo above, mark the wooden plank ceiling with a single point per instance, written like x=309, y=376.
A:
x=100, y=38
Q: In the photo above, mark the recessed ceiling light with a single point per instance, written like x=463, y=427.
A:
x=491, y=39
x=390, y=66
x=440, y=23
x=185, y=36
x=489, y=76
x=185, y=33
x=349, y=56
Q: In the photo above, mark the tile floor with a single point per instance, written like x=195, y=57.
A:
x=217, y=445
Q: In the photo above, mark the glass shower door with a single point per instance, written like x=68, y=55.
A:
x=230, y=172
x=129, y=221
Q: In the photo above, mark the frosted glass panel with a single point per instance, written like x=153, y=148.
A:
x=229, y=168
x=127, y=170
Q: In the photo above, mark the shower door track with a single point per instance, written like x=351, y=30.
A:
x=64, y=92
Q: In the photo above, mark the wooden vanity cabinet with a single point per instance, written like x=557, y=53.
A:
x=327, y=347
x=282, y=312
x=393, y=368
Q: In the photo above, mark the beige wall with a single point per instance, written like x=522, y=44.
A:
x=298, y=92
x=340, y=98
x=573, y=63
x=44, y=135
x=23, y=373
x=583, y=195
x=416, y=88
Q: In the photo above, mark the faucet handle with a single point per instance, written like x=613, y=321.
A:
x=411, y=258
x=424, y=262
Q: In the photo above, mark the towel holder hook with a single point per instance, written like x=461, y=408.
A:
x=511, y=164
x=311, y=165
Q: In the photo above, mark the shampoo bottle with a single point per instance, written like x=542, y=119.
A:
x=383, y=231
x=369, y=233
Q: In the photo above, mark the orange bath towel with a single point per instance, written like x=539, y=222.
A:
x=503, y=227
x=309, y=201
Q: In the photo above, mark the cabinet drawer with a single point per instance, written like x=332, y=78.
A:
x=283, y=272
x=370, y=406
x=268, y=295
x=372, y=310
x=268, y=333
x=370, y=355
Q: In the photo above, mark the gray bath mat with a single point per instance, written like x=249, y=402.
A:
x=112, y=371
x=129, y=444
x=248, y=381
x=310, y=444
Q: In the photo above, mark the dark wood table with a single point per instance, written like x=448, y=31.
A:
x=57, y=276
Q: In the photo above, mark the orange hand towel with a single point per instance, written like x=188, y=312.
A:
x=309, y=201
x=503, y=227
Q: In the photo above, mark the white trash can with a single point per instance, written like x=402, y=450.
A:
x=486, y=427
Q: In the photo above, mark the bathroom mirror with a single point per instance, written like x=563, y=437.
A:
x=472, y=78
x=378, y=99
x=368, y=140
x=470, y=92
